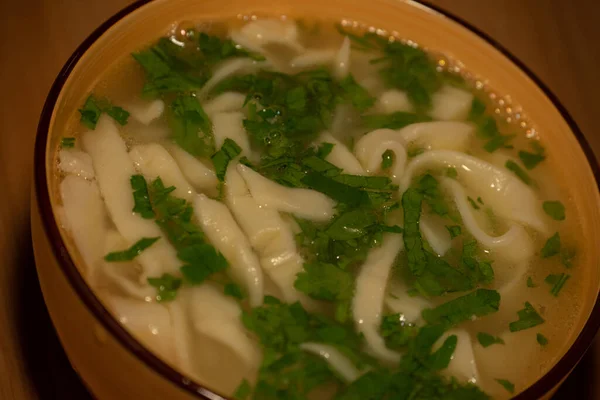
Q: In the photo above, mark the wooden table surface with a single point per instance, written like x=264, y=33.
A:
x=557, y=39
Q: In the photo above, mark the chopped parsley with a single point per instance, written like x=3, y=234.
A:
x=229, y=150
x=167, y=286
x=552, y=246
x=67, y=142
x=486, y=340
x=519, y=172
x=541, y=339
x=243, y=391
x=557, y=281
x=132, y=252
x=487, y=127
x=387, y=159
x=531, y=160
x=478, y=303
x=94, y=107
x=454, y=230
x=473, y=203
x=566, y=257
x=190, y=127
x=508, y=385
x=396, y=332
x=530, y=283
x=141, y=197
x=555, y=209
x=201, y=260
x=233, y=290
x=528, y=318
x=451, y=172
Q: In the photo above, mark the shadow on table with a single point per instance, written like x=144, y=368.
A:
x=53, y=377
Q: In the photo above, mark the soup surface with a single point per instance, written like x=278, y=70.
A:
x=296, y=209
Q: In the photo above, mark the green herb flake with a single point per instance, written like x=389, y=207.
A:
x=528, y=318
x=531, y=160
x=167, y=286
x=541, y=339
x=356, y=95
x=229, y=150
x=477, y=109
x=566, y=257
x=480, y=201
x=396, y=332
x=387, y=159
x=233, y=290
x=557, y=281
x=67, y=142
x=142, y=204
x=454, y=230
x=486, y=340
x=555, y=209
x=90, y=113
x=478, y=303
x=508, y=385
x=451, y=172
x=518, y=171
x=118, y=114
x=191, y=127
x=132, y=252
x=552, y=246
x=243, y=391
x=530, y=283
x=498, y=142
x=473, y=203
x=325, y=282
x=201, y=261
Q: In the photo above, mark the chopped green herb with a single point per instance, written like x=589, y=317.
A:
x=552, y=246
x=479, y=200
x=541, y=339
x=93, y=108
x=497, y=142
x=396, y=332
x=387, y=159
x=167, y=286
x=557, y=281
x=531, y=160
x=67, y=142
x=530, y=283
x=325, y=282
x=118, y=114
x=477, y=109
x=518, y=171
x=395, y=120
x=201, y=261
x=413, y=243
x=243, y=391
x=141, y=197
x=528, y=318
x=356, y=94
x=432, y=194
x=451, y=172
x=90, y=113
x=454, y=230
x=486, y=340
x=233, y=290
x=479, y=303
x=324, y=150
x=509, y=386
x=221, y=158
x=132, y=252
x=473, y=203
x=555, y=209
x=191, y=128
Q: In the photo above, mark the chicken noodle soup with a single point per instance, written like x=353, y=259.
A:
x=287, y=209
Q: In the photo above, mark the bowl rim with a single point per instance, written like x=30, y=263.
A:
x=539, y=388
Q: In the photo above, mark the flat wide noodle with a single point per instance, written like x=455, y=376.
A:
x=75, y=162
x=438, y=135
x=85, y=218
x=225, y=102
x=200, y=176
x=229, y=125
x=304, y=203
x=225, y=234
x=451, y=104
x=255, y=35
x=338, y=362
x=114, y=169
x=341, y=64
x=367, y=304
x=148, y=112
x=154, y=161
x=370, y=148
x=508, y=197
x=340, y=155
x=393, y=100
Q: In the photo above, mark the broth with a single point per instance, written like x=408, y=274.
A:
x=365, y=270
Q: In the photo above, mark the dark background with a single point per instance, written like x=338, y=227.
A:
x=557, y=39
